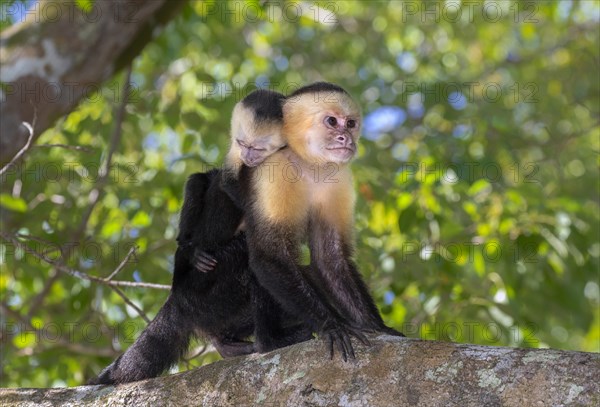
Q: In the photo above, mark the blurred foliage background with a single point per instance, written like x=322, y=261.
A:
x=478, y=193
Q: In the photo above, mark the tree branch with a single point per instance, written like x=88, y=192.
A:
x=30, y=128
x=391, y=372
x=67, y=54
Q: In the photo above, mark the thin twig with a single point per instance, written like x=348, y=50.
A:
x=63, y=267
x=39, y=298
x=74, y=347
x=118, y=130
x=80, y=274
x=195, y=353
x=122, y=264
x=103, y=174
x=37, y=239
x=100, y=183
x=12, y=313
x=131, y=304
x=30, y=128
x=121, y=283
x=80, y=231
x=66, y=146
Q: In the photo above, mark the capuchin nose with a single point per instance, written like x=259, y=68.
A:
x=252, y=157
x=342, y=139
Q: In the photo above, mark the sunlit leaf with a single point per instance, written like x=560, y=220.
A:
x=12, y=203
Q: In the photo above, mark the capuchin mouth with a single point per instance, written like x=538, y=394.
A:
x=341, y=144
x=342, y=153
x=341, y=148
x=348, y=146
x=253, y=157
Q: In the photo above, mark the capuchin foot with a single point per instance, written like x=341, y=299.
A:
x=229, y=349
x=291, y=336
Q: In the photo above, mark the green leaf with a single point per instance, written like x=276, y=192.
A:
x=141, y=219
x=85, y=5
x=12, y=203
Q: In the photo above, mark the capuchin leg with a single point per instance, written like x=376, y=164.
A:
x=273, y=255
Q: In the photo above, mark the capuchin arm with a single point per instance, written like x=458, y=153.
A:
x=332, y=256
x=204, y=229
x=193, y=204
x=273, y=259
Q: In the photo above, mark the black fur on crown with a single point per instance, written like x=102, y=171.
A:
x=266, y=104
x=318, y=87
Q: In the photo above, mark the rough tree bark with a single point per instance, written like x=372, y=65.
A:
x=392, y=372
x=61, y=54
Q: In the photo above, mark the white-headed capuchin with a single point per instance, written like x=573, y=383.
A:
x=214, y=294
x=304, y=193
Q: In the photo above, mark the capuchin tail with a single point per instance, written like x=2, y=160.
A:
x=164, y=341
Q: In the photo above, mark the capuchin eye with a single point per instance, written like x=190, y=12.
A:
x=332, y=121
x=351, y=124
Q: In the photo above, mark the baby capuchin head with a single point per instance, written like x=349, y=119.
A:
x=256, y=128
